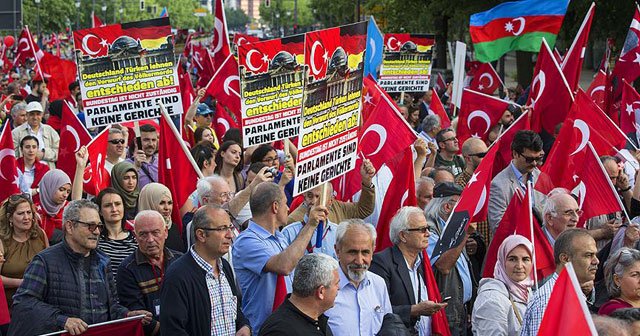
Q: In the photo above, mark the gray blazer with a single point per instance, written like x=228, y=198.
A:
x=503, y=186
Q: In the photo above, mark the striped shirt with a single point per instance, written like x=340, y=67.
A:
x=223, y=303
x=537, y=306
x=118, y=250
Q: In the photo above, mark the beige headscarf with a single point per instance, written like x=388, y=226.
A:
x=150, y=197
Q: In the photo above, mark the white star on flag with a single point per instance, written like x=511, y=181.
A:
x=637, y=60
x=265, y=59
x=480, y=87
x=103, y=43
x=629, y=109
x=474, y=178
x=326, y=56
x=368, y=99
x=508, y=26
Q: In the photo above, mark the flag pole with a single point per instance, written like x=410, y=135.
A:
x=533, y=240
x=613, y=189
x=179, y=139
x=126, y=319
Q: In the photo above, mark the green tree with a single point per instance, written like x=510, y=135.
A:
x=237, y=19
x=281, y=14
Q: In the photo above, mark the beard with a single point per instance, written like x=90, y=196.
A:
x=357, y=272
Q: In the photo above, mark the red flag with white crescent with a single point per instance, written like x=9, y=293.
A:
x=572, y=61
x=220, y=43
x=73, y=135
x=225, y=86
x=485, y=79
x=96, y=177
x=478, y=114
x=629, y=105
x=8, y=171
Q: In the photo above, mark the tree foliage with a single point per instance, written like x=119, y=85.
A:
x=236, y=19
x=279, y=16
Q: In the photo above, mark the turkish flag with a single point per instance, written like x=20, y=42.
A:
x=518, y=219
x=597, y=89
x=401, y=192
x=95, y=20
x=628, y=65
x=550, y=95
x=370, y=96
x=485, y=79
x=585, y=123
x=5, y=64
x=8, y=164
x=241, y=39
x=128, y=327
x=188, y=95
x=478, y=114
x=223, y=121
x=503, y=143
x=439, y=322
x=567, y=297
x=630, y=103
x=572, y=61
x=96, y=177
x=225, y=86
x=220, y=43
x=203, y=63
x=440, y=85
x=26, y=48
x=73, y=135
x=175, y=169
x=59, y=73
x=319, y=48
x=437, y=108
x=472, y=206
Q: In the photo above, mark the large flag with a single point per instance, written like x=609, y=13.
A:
x=517, y=25
x=59, y=73
x=176, y=168
x=8, y=166
x=472, y=206
x=478, y=114
x=628, y=65
x=220, y=43
x=223, y=121
x=73, y=135
x=370, y=97
x=572, y=61
x=26, y=49
x=630, y=103
x=486, y=79
x=225, y=86
x=597, y=89
x=96, y=176
x=567, y=296
x=126, y=326
x=550, y=95
x=375, y=47
x=203, y=63
x=401, y=192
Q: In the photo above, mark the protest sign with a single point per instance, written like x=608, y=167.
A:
x=406, y=65
x=328, y=136
x=125, y=70
x=271, y=85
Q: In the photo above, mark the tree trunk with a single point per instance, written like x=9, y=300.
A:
x=442, y=31
x=524, y=67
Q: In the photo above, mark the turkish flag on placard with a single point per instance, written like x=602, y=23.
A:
x=437, y=108
x=59, y=73
x=175, y=170
x=485, y=79
x=220, y=43
x=225, y=86
x=472, y=206
x=96, y=177
x=628, y=65
x=630, y=103
x=572, y=61
x=518, y=219
x=242, y=39
x=129, y=328
x=73, y=135
x=204, y=65
x=319, y=47
x=597, y=89
x=8, y=171
x=585, y=123
x=567, y=297
x=550, y=95
x=478, y=114
x=401, y=192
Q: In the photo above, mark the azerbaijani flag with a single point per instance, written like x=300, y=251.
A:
x=518, y=25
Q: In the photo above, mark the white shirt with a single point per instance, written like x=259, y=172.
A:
x=420, y=294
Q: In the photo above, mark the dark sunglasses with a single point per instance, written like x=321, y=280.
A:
x=16, y=197
x=117, y=141
x=530, y=159
x=91, y=226
x=480, y=155
x=208, y=115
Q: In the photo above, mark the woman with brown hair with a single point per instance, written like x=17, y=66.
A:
x=21, y=238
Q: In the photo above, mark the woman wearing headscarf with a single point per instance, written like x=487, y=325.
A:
x=124, y=178
x=55, y=187
x=502, y=300
x=155, y=196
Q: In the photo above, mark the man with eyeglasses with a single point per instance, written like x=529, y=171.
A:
x=199, y=294
x=69, y=285
x=141, y=274
x=560, y=212
x=448, y=152
x=473, y=150
x=527, y=155
x=115, y=147
x=402, y=268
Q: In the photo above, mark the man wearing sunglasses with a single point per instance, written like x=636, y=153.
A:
x=69, y=285
x=473, y=150
x=116, y=144
x=526, y=156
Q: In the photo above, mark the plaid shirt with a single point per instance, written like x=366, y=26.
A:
x=223, y=303
x=535, y=309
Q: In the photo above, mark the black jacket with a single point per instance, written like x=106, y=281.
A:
x=392, y=267
x=186, y=307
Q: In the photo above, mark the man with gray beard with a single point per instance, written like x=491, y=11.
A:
x=362, y=299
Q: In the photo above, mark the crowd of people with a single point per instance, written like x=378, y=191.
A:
x=248, y=258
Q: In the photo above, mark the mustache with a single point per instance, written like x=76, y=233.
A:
x=358, y=267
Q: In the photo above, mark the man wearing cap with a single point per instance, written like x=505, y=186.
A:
x=48, y=138
x=452, y=268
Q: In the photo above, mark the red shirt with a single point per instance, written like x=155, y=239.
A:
x=48, y=223
x=612, y=305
